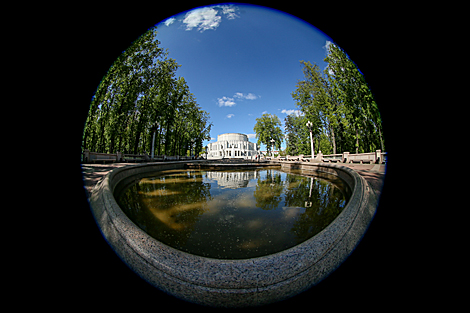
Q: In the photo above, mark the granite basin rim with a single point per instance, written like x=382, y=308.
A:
x=241, y=282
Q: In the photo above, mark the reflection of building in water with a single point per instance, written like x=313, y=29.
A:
x=232, y=145
x=232, y=179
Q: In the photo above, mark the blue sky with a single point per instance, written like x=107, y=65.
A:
x=241, y=61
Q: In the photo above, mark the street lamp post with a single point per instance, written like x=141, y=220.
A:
x=309, y=125
x=272, y=144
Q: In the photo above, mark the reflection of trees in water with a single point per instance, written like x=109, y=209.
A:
x=323, y=201
x=297, y=190
x=268, y=191
x=167, y=207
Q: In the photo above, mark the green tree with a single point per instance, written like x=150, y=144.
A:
x=314, y=99
x=340, y=105
x=141, y=96
x=350, y=90
x=268, y=127
x=297, y=137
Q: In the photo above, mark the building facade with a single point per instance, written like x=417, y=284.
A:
x=232, y=145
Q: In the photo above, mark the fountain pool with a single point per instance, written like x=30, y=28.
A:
x=233, y=238
x=232, y=214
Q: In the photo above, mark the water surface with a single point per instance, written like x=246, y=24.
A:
x=232, y=214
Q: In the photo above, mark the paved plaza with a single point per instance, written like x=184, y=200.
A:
x=373, y=173
x=92, y=173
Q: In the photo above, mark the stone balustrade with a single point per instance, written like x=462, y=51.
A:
x=370, y=157
x=98, y=157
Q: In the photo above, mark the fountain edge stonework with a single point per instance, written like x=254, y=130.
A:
x=234, y=283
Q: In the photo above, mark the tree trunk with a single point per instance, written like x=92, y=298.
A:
x=119, y=142
x=111, y=145
x=333, y=140
x=84, y=146
x=144, y=142
x=381, y=140
x=136, y=143
x=175, y=142
x=153, y=145
x=158, y=141
x=167, y=139
x=357, y=141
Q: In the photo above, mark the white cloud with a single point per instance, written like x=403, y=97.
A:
x=225, y=102
x=249, y=96
x=208, y=18
x=251, y=135
x=203, y=19
x=230, y=115
x=289, y=112
x=230, y=101
x=327, y=46
x=264, y=112
x=229, y=11
x=327, y=49
x=169, y=21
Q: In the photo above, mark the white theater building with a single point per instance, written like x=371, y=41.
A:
x=232, y=145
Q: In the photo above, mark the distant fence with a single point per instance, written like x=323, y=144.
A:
x=97, y=157
x=370, y=157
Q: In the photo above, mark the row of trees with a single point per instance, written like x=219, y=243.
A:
x=337, y=102
x=141, y=98
x=340, y=105
x=267, y=128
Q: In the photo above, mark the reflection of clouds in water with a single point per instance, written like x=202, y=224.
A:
x=291, y=212
x=245, y=201
x=254, y=224
x=226, y=218
x=215, y=205
x=221, y=201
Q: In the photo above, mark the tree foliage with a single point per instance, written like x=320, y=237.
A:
x=141, y=95
x=268, y=127
x=340, y=105
x=297, y=136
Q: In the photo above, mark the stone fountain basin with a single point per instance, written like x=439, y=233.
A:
x=234, y=283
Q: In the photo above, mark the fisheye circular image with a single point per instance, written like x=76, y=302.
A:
x=233, y=156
